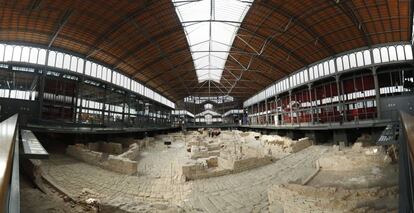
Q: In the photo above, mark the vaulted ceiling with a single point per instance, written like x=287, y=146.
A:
x=145, y=39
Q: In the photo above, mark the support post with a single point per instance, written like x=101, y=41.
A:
x=290, y=107
x=377, y=92
x=267, y=115
x=310, y=100
x=340, y=104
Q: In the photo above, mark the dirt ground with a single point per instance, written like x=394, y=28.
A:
x=32, y=200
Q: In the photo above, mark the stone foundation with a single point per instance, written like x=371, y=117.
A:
x=121, y=164
x=298, y=198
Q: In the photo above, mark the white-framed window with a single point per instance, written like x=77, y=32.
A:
x=73, y=63
x=2, y=49
x=408, y=52
x=367, y=57
x=400, y=53
x=393, y=53
x=25, y=54
x=384, y=54
x=377, y=55
x=59, y=60
x=51, y=61
x=66, y=62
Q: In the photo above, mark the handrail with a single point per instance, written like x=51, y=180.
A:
x=406, y=161
x=408, y=128
x=8, y=138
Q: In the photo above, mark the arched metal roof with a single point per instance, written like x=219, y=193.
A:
x=278, y=37
x=144, y=39
x=141, y=39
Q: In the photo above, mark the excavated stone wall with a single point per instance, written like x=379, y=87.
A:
x=120, y=164
x=299, y=198
x=111, y=148
x=357, y=157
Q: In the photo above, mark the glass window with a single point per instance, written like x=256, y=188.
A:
x=1, y=52
x=305, y=75
x=93, y=70
x=345, y=59
x=9, y=53
x=315, y=72
x=331, y=66
x=80, y=65
x=66, y=62
x=17, y=53
x=384, y=54
x=339, y=64
x=408, y=52
x=59, y=60
x=25, y=54
x=73, y=63
x=320, y=69
x=400, y=53
x=367, y=57
x=326, y=68
x=360, y=59
x=99, y=71
x=88, y=67
x=377, y=55
x=311, y=73
x=51, y=60
x=42, y=57
x=393, y=53
x=352, y=60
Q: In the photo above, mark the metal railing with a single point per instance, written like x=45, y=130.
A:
x=9, y=165
x=406, y=158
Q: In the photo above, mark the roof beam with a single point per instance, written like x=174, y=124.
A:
x=59, y=27
x=300, y=23
x=115, y=27
x=353, y=17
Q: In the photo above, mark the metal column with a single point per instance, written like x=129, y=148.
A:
x=377, y=92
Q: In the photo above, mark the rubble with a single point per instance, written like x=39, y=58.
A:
x=299, y=198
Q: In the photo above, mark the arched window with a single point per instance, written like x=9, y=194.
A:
x=66, y=62
x=41, y=59
x=360, y=59
x=384, y=54
x=59, y=60
x=93, y=70
x=393, y=53
x=408, y=52
x=339, y=64
x=352, y=60
x=367, y=57
x=99, y=71
x=311, y=74
x=345, y=59
x=326, y=67
x=17, y=53
x=25, y=54
x=377, y=55
x=8, y=53
x=2, y=52
x=52, y=58
x=88, y=68
x=400, y=53
x=80, y=65
x=320, y=69
x=331, y=66
x=73, y=63
x=305, y=75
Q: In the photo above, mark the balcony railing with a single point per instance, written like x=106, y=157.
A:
x=406, y=159
x=9, y=166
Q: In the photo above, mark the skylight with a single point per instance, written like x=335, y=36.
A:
x=210, y=27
